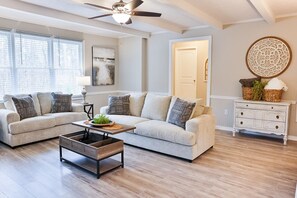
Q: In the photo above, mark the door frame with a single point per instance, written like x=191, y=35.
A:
x=171, y=63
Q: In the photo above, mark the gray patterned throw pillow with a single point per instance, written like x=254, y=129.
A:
x=25, y=106
x=61, y=103
x=181, y=112
x=119, y=105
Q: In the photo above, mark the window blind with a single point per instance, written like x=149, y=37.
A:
x=30, y=63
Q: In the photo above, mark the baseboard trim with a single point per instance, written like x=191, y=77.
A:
x=224, y=128
x=292, y=137
x=230, y=129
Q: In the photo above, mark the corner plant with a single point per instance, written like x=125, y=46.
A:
x=257, y=89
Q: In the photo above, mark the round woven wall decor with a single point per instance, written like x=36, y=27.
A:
x=268, y=57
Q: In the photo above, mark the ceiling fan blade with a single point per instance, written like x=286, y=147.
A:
x=98, y=6
x=147, y=14
x=129, y=21
x=133, y=4
x=104, y=15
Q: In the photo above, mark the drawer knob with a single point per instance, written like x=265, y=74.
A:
x=277, y=117
x=271, y=107
x=276, y=127
x=247, y=105
x=241, y=113
x=241, y=122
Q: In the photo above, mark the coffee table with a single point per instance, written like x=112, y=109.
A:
x=94, y=148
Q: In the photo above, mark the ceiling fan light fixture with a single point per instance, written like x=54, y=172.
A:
x=121, y=17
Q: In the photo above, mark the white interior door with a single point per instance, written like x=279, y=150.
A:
x=186, y=61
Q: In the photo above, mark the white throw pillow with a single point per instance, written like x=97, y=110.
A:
x=155, y=107
x=197, y=111
x=136, y=103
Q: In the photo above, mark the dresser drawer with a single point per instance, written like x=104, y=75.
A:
x=244, y=123
x=274, y=116
x=260, y=106
x=244, y=113
x=261, y=114
x=277, y=127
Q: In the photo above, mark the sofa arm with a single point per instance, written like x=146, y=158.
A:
x=103, y=110
x=76, y=107
x=7, y=117
x=204, y=128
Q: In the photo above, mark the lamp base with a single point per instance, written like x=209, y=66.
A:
x=84, y=93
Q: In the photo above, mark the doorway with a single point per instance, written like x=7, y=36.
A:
x=190, y=68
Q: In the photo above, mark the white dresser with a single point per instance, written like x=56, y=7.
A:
x=261, y=116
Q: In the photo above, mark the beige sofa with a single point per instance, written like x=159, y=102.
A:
x=45, y=125
x=149, y=114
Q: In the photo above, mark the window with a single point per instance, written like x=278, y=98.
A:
x=30, y=63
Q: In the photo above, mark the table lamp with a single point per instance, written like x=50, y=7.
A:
x=83, y=81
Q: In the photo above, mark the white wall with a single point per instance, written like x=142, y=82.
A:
x=132, y=64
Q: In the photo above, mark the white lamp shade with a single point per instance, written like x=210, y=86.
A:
x=121, y=17
x=83, y=80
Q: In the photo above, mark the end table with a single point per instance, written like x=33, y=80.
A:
x=89, y=109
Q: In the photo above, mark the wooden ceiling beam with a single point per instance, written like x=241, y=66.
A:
x=195, y=12
x=264, y=10
x=163, y=24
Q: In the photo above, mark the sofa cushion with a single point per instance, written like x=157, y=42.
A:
x=125, y=119
x=61, y=103
x=155, y=107
x=25, y=107
x=45, y=100
x=119, y=105
x=136, y=103
x=9, y=104
x=31, y=124
x=181, y=112
x=165, y=131
x=197, y=111
x=67, y=117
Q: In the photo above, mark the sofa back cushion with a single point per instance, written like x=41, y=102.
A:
x=119, y=105
x=155, y=107
x=136, y=103
x=9, y=104
x=197, y=111
x=25, y=107
x=45, y=100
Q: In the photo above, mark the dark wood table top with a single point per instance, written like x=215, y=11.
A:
x=85, y=124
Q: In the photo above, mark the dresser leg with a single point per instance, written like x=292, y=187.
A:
x=234, y=131
x=285, y=140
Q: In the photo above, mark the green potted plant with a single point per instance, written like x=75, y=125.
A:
x=257, y=89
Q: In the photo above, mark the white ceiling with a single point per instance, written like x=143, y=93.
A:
x=177, y=15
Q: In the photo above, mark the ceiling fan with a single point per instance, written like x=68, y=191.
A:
x=122, y=12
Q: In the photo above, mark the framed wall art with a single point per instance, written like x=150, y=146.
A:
x=268, y=57
x=103, y=70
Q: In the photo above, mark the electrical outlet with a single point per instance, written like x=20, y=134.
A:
x=226, y=112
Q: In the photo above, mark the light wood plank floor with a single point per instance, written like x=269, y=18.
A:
x=243, y=166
